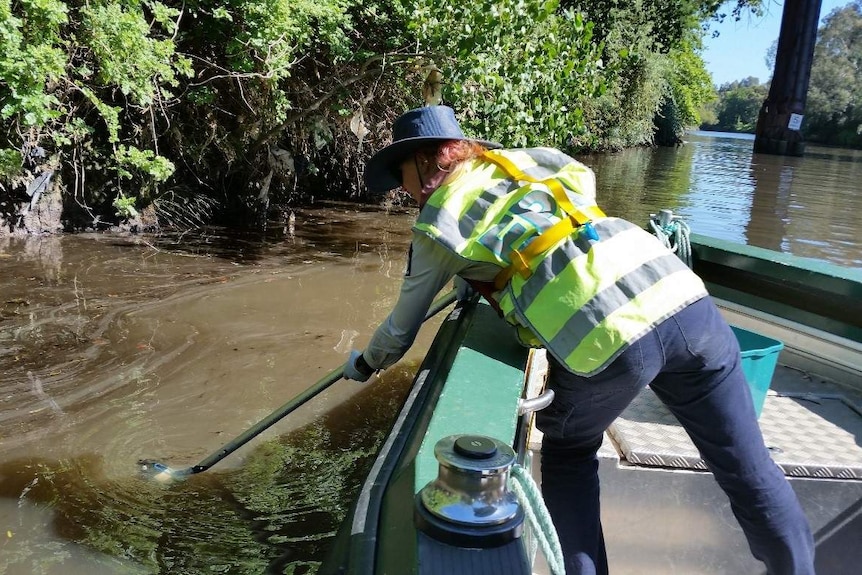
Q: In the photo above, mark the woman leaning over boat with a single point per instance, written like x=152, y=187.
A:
x=615, y=310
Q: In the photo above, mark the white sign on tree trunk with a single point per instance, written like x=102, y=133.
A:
x=795, y=121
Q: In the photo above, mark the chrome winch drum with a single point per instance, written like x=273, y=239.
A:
x=469, y=504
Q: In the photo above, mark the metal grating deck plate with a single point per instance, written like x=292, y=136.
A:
x=809, y=435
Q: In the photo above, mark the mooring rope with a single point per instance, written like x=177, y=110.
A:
x=674, y=234
x=522, y=484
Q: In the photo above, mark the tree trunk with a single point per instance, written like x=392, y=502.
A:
x=780, y=118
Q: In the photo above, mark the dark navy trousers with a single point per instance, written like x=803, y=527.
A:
x=692, y=363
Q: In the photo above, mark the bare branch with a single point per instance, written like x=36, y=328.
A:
x=373, y=66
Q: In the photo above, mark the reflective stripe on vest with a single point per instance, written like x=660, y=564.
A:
x=484, y=215
x=641, y=283
x=572, y=217
x=585, y=300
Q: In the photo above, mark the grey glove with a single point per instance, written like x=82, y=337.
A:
x=356, y=368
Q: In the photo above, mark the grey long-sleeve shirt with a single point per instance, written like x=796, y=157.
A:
x=429, y=269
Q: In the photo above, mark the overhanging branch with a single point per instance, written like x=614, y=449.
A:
x=373, y=66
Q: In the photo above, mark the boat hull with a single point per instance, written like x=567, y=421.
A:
x=662, y=511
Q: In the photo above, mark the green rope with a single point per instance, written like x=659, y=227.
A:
x=675, y=235
x=522, y=484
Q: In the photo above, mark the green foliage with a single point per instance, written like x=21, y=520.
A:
x=624, y=116
x=260, y=28
x=689, y=90
x=653, y=25
x=834, y=107
x=274, y=76
x=655, y=76
x=10, y=163
x=690, y=84
x=738, y=106
x=116, y=88
x=80, y=80
x=156, y=167
x=166, y=101
x=109, y=114
x=125, y=206
x=517, y=71
x=30, y=57
x=127, y=54
x=257, y=45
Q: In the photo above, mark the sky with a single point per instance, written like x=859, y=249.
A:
x=740, y=49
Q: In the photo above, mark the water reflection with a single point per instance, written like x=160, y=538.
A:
x=114, y=349
x=806, y=206
x=119, y=348
x=137, y=331
x=332, y=231
x=275, y=514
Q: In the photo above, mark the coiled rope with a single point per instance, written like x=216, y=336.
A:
x=673, y=233
x=522, y=484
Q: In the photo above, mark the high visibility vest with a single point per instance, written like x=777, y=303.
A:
x=594, y=285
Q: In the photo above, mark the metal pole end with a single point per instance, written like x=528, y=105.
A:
x=159, y=472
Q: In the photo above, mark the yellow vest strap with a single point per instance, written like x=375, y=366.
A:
x=575, y=217
x=521, y=259
x=552, y=183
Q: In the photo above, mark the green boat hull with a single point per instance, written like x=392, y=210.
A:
x=665, y=517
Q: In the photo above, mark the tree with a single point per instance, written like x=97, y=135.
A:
x=184, y=106
x=230, y=107
x=738, y=105
x=660, y=83
x=689, y=90
x=834, y=107
x=518, y=72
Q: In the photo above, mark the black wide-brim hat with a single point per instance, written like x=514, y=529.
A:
x=411, y=131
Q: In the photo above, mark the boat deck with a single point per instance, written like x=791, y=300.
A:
x=663, y=513
x=812, y=428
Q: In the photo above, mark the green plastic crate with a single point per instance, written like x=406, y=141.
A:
x=759, y=358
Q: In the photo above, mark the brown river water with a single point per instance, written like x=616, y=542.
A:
x=116, y=348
